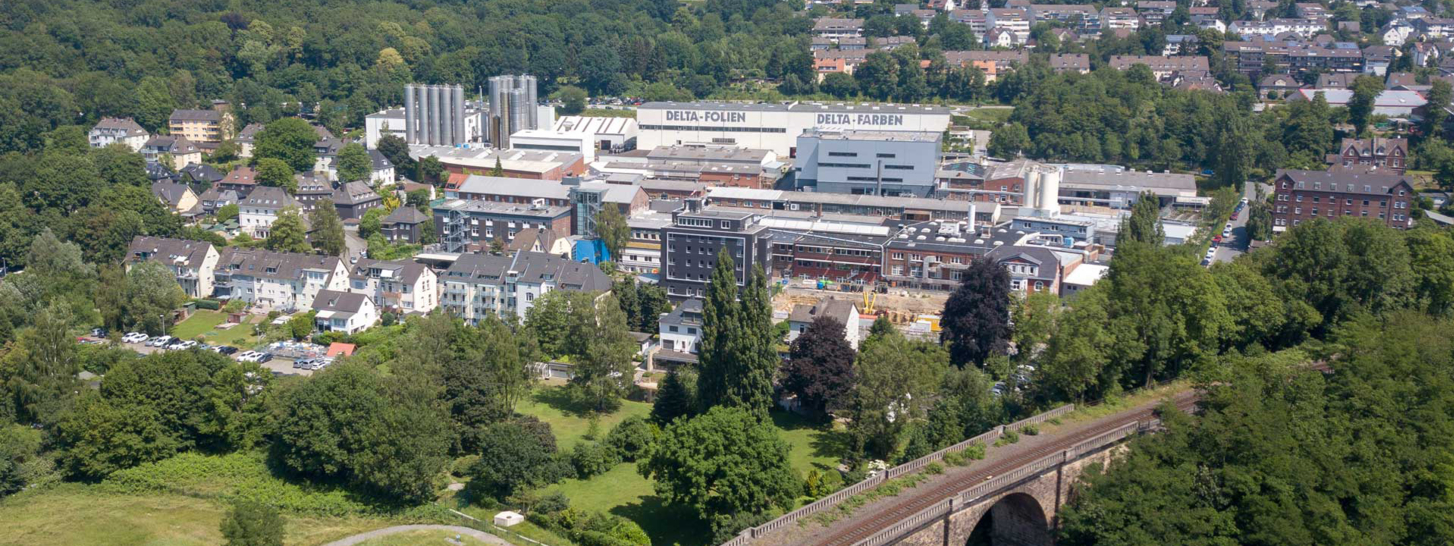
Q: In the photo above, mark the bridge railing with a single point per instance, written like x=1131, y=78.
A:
x=997, y=483
x=841, y=495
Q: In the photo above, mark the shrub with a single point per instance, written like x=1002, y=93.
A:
x=592, y=459
x=1032, y=429
x=514, y=455
x=975, y=451
x=934, y=468
x=631, y=437
x=210, y=305
x=956, y=458
x=551, y=503
x=234, y=306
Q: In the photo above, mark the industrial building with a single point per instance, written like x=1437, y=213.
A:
x=613, y=135
x=868, y=162
x=392, y=122
x=534, y=164
x=513, y=108
x=775, y=126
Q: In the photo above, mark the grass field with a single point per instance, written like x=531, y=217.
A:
x=997, y=115
x=81, y=514
x=813, y=447
x=569, y=422
x=204, y=323
x=423, y=538
x=608, y=113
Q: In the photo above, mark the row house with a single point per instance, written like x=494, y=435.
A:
x=1155, y=11
x=1207, y=17
x=280, y=280
x=1332, y=59
x=834, y=28
x=1086, y=19
x=1434, y=27
x=839, y=61
x=1381, y=153
x=1306, y=195
x=1120, y=18
x=397, y=285
x=1305, y=28
x=1070, y=62
x=1163, y=67
x=194, y=263
x=1376, y=59
x=480, y=285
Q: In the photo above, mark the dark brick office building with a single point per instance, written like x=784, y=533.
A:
x=693, y=240
x=1304, y=195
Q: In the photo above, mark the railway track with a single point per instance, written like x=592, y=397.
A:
x=919, y=500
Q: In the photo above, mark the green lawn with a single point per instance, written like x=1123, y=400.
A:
x=622, y=491
x=204, y=323
x=997, y=115
x=569, y=422
x=609, y=113
x=199, y=323
x=71, y=514
x=423, y=538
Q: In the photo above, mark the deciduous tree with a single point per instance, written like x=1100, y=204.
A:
x=820, y=366
x=327, y=235
x=976, y=316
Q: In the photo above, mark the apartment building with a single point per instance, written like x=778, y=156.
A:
x=193, y=262
x=203, y=126
x=478, y=285
x=1305, y=195
x=1383, y=153
x=124, y=131
x=261, y=207
x=694, y=239
x=465, y=225
x=398, y=286
x=280, y=280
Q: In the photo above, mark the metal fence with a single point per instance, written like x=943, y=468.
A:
x=832, y=500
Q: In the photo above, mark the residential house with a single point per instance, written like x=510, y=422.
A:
x=354, y=199
x=1305, y=195
x=281, y=280
x=1277, y=86
x=480, y=285
x=311, y=190
x=182, y=151
x=383, y=169
x=258, y=211
x=1155, y=11
x=404, y=225
x=247, y=139
x=834, y=28
x=241, y=179
x=1163, y=67
x=398, y=286
x=1032, y=268
x=344, y=312
x=214, y=199
x=201, y=174
x=680, y=330
x=845, y=312
x=193, y=262
x=177, y=197
x=1073, y=62
x=540, y=240
x=1113, y=18
x=124, y=131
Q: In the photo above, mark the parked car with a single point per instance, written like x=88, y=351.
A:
x=161, y=341
x=226, y=350
x=188, y=344
x=248, y=356
x=1216, y=238
x=135, y=337
x=98, y=332
x=302, y=364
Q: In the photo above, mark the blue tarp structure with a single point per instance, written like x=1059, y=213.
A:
x=591, y=251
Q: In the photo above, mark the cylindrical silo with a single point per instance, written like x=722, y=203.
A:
x=435, y=130
x=459, y=130
x=411, y=132
x=532, y=113
x=423, y=116
x=1032, y=177
x=1050, y=191
x=446, y=116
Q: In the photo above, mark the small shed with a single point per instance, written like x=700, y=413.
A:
x=508, y=519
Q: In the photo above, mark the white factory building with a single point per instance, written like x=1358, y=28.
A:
x=774, y=126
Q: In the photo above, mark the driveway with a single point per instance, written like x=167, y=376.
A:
x=353, y=242
x=466, y=531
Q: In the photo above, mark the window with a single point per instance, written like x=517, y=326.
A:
x=1299, y=198
x=671, y=328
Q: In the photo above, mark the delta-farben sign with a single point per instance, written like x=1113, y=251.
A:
x=774, y=127
x=873, y=120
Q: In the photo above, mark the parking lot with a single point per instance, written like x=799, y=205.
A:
x=277, y=365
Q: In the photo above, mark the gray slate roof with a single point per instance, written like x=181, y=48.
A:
x=269, y=197
x=273, y=265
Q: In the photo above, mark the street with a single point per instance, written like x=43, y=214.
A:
x=1234, y=246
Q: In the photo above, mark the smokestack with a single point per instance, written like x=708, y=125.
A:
x=411, y=131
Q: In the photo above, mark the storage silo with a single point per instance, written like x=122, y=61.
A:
x=1050, y=191
x=458, y=117
x=411, y=131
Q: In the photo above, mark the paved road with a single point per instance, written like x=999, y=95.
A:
x=466, y=531
x=353, y=242
x=873, y=517
x=1230, y=249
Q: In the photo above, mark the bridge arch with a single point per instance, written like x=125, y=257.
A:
x=1016, y=519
